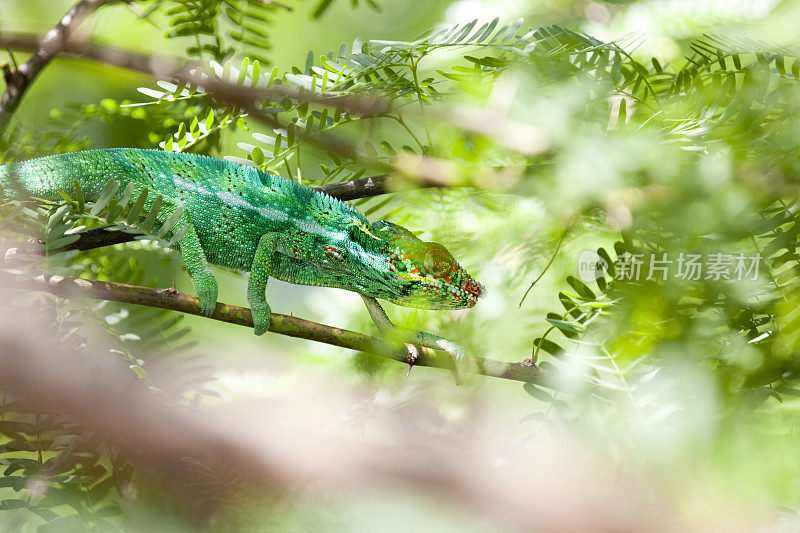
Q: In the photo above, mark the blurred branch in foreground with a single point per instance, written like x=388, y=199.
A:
x=281, y=324
x=172, y=68
x=273, y=445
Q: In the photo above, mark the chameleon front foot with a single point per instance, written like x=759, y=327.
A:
x=418, y=338
x=455, y=351
x=263, y=263
x=205, y=284
x=261, y=317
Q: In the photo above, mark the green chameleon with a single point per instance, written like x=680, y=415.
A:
x=240, y=217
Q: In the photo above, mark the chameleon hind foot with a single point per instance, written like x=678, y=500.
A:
x=194, y=259
x=261, y=317
x=263, y=263
x=207, y=291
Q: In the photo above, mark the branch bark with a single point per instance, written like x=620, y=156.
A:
x=360, y=188
x=51, y=44
x=66, y=287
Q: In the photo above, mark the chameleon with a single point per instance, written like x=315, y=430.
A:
x=241, y=217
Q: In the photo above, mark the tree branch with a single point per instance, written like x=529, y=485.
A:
x=171, y=68
x=422, y=171
x=360, y=188
x=66, y=287
x=51, y=44
x=113, y=56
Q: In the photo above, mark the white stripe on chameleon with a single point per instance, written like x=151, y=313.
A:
x=308, y=226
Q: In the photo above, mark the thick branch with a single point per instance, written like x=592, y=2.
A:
x=66, y=287
x=51, y=44
x=360, y=188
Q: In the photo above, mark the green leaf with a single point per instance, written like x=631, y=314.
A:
x=12, y=504
x=44, y=512
x=15, y=482
x=151, y=216
x=210, y=120
x=168, y=224
x=623, y=113
x=62, y=242
x=584, y=291
x=567, y=328
x=109, y=191
x=537, y=392
x=133, y=215
x=258, y=156
x=180, y=234
x=56, y=218
x=126, y=194
x=548, y=346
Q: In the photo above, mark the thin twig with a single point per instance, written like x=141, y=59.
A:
x=546, y=268
x=171, y=299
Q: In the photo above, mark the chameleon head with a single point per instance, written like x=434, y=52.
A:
x=410, y=272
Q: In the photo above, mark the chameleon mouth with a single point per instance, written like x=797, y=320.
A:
x=473, y=289
x=466, y=295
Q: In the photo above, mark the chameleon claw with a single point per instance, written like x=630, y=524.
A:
x=260, y=328
x=207, y=291
x=208, y=301
x=207, y=307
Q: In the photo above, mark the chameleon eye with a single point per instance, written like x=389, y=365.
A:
x=438, y=261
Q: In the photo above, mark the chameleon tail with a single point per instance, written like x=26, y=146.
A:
x=43, y=178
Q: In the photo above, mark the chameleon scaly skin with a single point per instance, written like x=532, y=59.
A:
x=240, y=217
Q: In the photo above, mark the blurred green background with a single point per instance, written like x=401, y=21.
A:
x=691, y=406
